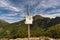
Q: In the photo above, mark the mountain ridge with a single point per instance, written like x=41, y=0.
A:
x=40, y=27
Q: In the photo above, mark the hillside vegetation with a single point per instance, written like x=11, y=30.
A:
x=41, y=27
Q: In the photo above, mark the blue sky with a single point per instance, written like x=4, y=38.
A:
x=14, y=10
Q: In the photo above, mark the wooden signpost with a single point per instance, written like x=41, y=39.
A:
x=29, y=19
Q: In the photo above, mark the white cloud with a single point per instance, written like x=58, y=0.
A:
x=7, y=16
x=48, y=3
x=31, y=2
x=34, y=2
x=50, y=16
x=7, y=5
x=55, y=11
x=43, y=5
x=10, y=19
x=13, y=21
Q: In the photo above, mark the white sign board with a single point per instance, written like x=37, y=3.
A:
x=29, y=20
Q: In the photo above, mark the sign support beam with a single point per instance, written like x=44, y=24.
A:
x=28, y=15
x=28, y=31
